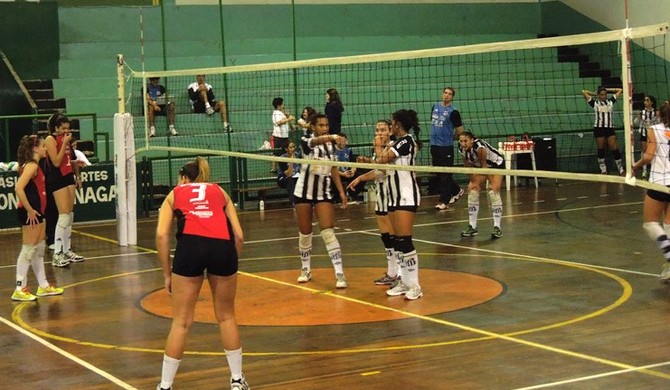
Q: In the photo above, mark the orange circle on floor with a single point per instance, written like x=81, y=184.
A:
x=275, y=298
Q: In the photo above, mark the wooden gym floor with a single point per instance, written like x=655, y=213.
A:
x=568, y=298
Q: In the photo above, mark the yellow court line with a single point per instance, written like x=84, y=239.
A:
x=16, y=316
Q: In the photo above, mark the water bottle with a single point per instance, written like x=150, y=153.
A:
x=261, y=205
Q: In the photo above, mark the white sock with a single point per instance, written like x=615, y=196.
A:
x=603, y=166
x=234, y=358
x=38, y=265
x=59, y=235
x=496, y=207
x=619, y=165
x=401, y=267
x=305, y=250
x=169, y=371
x=657, y=234
x=335, y=254
x=391, y=262
x=67, y=239
x=207, y=105
x=411, y=261
x=22, y=267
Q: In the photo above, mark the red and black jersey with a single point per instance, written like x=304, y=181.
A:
x=36, y=191
x=200, y=211
x=65, y=166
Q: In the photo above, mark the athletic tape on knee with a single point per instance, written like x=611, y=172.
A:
x=64, y=220
x=473, y=198
x=328, y=236
x=654, y=230
x=494, y=197
x=305, y=241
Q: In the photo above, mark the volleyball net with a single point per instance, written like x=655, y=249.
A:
x=503, y=90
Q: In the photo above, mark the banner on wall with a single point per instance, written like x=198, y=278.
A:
x=95, y=201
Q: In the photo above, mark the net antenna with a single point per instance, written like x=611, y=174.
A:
x=628, y=98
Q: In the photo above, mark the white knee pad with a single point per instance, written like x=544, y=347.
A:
x=64, y=220
x=328, y=236
x=39, y=249
x=27, y=253
x=495, y=199
x=473, y=198
x=305, y=241
x=653, y=229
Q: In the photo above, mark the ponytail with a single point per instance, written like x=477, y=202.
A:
x=196, y=171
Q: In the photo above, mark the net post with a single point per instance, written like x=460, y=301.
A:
x=124, y=167
x=120, y=179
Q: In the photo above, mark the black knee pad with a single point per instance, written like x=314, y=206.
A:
x=404, y=244
x=388, y=240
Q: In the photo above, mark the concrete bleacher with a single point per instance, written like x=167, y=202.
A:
x=486, y=84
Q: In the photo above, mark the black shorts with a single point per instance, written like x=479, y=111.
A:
x=280, y=144
x=659, y=196
x=199, y=107
x=643, y=134
x=195, y=254
x=603, y=132
x=57, y=182
x=22, y=214
x=311, y=201
x=501, y=166
x=403, y=208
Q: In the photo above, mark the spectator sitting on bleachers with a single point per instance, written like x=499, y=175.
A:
x=157, y=104
x=203, y=100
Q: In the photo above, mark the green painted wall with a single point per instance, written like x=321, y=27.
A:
x=90, y=37
x=29, y=37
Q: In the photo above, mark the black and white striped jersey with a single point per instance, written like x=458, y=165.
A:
x=493, y=157
x=382, y=190
x=314, y=182
x=603, y=111
x=403, y=187
x=647, y=118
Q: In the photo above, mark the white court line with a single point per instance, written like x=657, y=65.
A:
x=94, y=258
x=596, y=376
x=68, y=355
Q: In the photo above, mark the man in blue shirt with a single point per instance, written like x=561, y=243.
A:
x=445, y=126
x=159, y=105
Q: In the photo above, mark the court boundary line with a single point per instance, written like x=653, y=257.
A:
x=595, y=376
x=69, y=356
